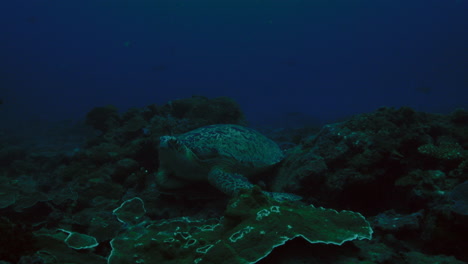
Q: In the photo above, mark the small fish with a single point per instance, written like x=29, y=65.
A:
x=127, y=44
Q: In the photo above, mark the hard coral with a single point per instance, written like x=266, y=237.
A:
x=253, y=226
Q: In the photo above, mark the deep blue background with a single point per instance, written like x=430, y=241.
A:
x=326, y=58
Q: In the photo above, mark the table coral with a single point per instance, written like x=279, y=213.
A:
x=253, y=225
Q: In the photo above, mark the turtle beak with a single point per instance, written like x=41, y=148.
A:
x=168, y=142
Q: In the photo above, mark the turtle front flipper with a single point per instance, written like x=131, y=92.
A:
x=232, y=183
x=228, y=183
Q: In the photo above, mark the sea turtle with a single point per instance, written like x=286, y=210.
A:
x=224, y=155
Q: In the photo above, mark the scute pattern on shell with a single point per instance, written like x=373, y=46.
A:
x=237, y=143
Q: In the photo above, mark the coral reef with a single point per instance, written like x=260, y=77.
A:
x=85, y=194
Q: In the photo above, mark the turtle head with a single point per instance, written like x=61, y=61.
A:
x=173, y=147
x=170, y=143
x=175, y=150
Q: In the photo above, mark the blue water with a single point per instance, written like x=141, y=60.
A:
x=325, y=58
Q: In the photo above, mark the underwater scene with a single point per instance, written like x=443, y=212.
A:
x=236, y=132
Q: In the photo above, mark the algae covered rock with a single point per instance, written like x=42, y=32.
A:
x=254, y=224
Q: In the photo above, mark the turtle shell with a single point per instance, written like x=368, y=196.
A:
x=235, y=144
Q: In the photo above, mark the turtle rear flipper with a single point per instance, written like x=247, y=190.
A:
x=283, y=197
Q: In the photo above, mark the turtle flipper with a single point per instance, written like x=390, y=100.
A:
x=282, y=197
x=228, y=183
x=232, y=183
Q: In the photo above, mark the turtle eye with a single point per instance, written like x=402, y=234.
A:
x=174, y=144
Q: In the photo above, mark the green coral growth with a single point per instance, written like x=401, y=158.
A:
x=253, y=225
x=130, y=211
x=443, y=151
x=79, y=241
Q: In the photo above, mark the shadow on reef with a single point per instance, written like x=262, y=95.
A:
x=405, y=171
